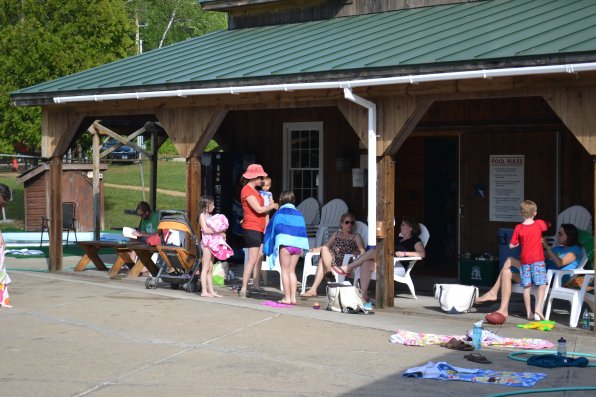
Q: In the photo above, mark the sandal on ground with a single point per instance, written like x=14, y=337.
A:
x=339, y=270
x=456, y=344
x=477, y=358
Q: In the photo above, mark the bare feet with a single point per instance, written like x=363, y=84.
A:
x=488, y=297
x=216, y=295
x=285, y=302
x=309, y=294
x=537, y=316
x=207, y=295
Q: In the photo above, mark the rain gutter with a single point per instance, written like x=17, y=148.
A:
x=372, y=163
x=412, y=79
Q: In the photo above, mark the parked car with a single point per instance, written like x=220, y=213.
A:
x=124, y=152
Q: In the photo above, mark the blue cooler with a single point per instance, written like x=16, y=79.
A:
x=504, y=237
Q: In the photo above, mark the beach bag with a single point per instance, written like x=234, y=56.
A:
x=455, y=298
x=344, y=298
x=219, y=274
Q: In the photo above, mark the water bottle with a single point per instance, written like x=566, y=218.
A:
x=562, y=347
x=586, y=319
x=477, y=336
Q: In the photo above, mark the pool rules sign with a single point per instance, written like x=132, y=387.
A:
x=506, y=189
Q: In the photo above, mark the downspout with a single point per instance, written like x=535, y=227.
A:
x=372, y=163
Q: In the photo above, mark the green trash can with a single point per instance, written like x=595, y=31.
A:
x=481, y=273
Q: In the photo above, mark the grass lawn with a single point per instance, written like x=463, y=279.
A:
x=121, y=193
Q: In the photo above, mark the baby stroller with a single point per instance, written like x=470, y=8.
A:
x=177, y=265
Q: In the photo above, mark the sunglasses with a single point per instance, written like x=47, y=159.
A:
x=349, y=222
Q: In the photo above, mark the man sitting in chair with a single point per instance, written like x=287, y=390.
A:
x=148, y=223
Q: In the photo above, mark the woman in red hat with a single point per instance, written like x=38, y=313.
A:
x=254, y=221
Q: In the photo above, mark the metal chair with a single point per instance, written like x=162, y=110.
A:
x=68, y=222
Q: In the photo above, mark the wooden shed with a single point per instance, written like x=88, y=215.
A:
x=76, y=187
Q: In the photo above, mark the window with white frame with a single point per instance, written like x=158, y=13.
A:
x=303, y=162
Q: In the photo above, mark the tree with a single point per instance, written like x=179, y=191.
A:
x=164, y=22
x=42, y=40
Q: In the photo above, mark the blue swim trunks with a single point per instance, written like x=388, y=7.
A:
x=533, y=273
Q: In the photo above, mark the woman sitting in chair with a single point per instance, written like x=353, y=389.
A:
x=565, y=255
x=407, y=244
x=343, y=242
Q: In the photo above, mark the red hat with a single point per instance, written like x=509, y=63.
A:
x=254, y=171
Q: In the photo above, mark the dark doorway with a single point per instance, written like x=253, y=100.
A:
x=441, y=204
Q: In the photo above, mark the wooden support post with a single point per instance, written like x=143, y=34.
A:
x=153, y=172
x=193, y=191
x=55, y=229
x=385, y=214
x=96, y=191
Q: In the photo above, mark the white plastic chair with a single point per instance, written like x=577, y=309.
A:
x=573, y=296
x=577, y=215
x=400, y=273
x=517, y=288
x=312, y=258
x=265, y=266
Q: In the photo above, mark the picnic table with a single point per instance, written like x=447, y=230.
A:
x=123, y=251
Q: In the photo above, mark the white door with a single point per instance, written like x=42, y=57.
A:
x=303, y=160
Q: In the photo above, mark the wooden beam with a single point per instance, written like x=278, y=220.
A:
x=153, y=172
x=96, y=189
x=385, y=239
x=193, y=191
x=58, y=128
x=209, y=132
x=122, y=140
x=398, y=117
x=187, y=125
x=357, y=117
x=55, y=229
x=576, y=108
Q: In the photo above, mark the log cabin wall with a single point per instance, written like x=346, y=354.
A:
x=244, y=14
x=261, y=133
x=484, y=127
x=478, y=234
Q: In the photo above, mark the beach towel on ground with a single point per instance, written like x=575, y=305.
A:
x=445, y=371
x=285, y=228
x=410, y=338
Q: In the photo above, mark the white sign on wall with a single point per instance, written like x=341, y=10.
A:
x=506, y=189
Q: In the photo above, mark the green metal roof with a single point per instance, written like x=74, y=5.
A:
x=456, y=36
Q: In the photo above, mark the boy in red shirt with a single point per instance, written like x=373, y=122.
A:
x=533, y=270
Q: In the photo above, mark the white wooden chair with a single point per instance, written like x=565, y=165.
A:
x=577, y=215
x=310, y=210
x=312, y=258
x=401, y=274
x=574, y=296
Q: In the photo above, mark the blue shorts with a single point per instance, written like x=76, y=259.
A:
x=533, y=273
